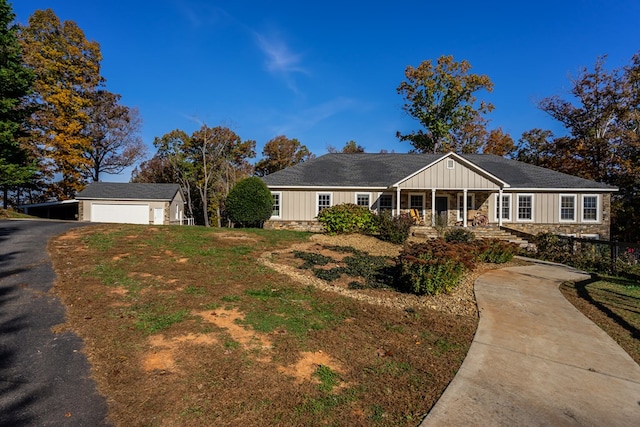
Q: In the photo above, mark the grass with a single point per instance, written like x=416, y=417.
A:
x=187, y=327
x=613, y=303
x=11, y=214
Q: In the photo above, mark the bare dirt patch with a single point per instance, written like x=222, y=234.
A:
x=227, y=319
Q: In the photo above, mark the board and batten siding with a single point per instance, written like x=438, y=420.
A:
x=441, y=177
x=546, y=207
x=300, y=205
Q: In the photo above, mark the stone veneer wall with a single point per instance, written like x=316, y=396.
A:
x=81, y=210
x=313, y=226
x=578, y=230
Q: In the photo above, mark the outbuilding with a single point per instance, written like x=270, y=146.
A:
x=131, y=203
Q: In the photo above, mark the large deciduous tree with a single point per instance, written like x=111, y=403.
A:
x=114, y=136
x=442, y=98
x=16, y=167
x=67, y=68
x=206, y=164
x=499, y=143
x=279, y=153
x=602, y=119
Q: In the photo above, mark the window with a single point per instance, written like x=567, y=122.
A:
x=363, y=199
x=275, y=213
x=567, y=207
x=385, y=202
x=471, y=202
x=450, y=164
x=506, y=207
x=416, y=201
x=590, y=208
x=525, y=207
x=323, y=201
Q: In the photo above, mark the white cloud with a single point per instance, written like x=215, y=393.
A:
x=280, y=59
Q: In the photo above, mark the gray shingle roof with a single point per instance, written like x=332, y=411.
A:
x=384, y=170
x=129, y=191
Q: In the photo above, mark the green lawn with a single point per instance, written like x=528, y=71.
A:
x=613, y=303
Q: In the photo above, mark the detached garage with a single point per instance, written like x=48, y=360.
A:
x=130, y=203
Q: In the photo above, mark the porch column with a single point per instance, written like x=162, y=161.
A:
x=433, y=207
x=464, y=207
x=398, y=201
x=500, y=207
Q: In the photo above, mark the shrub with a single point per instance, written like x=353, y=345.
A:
x=435, y=267
x=551, y=247
x=394, y=229
x=249, y=203
x=495, y=251
x=461, y=235
x=348, y=218
x=311, y=259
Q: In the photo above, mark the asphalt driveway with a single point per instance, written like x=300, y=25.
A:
x=44, y=377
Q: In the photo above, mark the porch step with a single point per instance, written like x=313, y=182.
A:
x=480, y=232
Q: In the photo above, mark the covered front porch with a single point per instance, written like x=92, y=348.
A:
x=447, y=207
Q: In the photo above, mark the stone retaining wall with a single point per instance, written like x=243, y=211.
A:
x=578, y=230
x=313, y=226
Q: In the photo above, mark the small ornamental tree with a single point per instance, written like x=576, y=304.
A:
x=249, y=203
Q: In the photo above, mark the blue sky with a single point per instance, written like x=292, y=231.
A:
x=327, y=72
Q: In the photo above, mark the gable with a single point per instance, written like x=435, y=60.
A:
x=450, y=172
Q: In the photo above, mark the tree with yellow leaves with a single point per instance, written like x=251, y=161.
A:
x=67, y=69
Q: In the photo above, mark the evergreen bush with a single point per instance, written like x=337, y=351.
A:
x=249, y=203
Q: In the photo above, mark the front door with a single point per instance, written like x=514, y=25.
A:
x=158, y=216
x=442, y=210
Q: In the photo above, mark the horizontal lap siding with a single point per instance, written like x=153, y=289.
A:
x=438, y=176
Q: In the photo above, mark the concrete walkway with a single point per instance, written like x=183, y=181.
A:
x=537, y=361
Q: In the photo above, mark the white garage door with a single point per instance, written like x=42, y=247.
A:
x=128, y=214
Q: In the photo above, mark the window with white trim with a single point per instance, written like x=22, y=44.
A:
x=590, y=208
x=450, y=164
x=506, y=207
x=471, y=202
x=276, y=213
x=323, y=201
x=525, y=207
x=385, y=202
x=567, y=207
x=416, y=201
x=363, y=199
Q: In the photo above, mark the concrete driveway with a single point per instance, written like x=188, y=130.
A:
x=44, y=377
x=537, y=361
